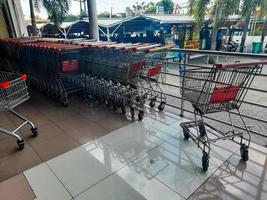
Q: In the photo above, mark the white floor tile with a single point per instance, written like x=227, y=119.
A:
x=45, y=184
x=111, y=188
x=156, y=125
x=84, y=166
x=134, y=140
x=163, y=117
x=177, y=163
x=149, y=188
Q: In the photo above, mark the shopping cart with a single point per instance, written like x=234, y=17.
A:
x=56, y=61
x=13, y=92
x=220, y=88
x=154, y=62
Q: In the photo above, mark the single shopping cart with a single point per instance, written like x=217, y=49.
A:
x=220, y=88
x=13, y=92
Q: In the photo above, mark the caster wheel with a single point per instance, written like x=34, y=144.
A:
x=205, y=161
x=186, y=134
x=244, y=152
x=65, y=103
x=20, y=144
x=202, y=130
x=152, y=104
x=140, y=115
x=114, y=108
x=161, y=106
x=132, y=113
x=123, y=110
x=34, y=132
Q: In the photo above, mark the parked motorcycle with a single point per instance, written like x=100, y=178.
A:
x=231, y=46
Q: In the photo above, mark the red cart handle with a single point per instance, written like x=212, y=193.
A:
x=236, y=65
x=5, y=85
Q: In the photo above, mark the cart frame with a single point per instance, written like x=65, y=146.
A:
x=13, y=92
x=221, y=88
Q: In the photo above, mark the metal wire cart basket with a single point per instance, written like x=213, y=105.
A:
x=13, y=92
x=221, y=88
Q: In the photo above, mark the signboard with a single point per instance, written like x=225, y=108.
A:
x=160, y=10
x=169, y=39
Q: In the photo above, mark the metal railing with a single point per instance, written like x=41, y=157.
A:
x=220, y=57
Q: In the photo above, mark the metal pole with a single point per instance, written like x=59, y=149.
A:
x=92, y=14
x=33, y=20
x=85, y=10
x=108, y=34
x=183, y=84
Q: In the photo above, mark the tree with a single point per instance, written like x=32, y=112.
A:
x=264, y=33
x=138, y=8
x=107, y=15
x=71, y=18
x=33, y=20
x=263, y=15
x=103, y=15
x=247, y=9
x=218, y=10
x=168, y=5
x=150, y=8
x=57, y=10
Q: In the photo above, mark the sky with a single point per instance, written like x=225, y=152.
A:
x=102, y=5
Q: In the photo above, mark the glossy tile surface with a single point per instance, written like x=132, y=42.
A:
x=177, y=163
x=85, y=166
x=16, y=188
x=134, y=140
x=202, y=194
x=149, y=188
x=240, y=180
x=112, y=188
x=17, y=161
x=101, y=155
x=45, y=184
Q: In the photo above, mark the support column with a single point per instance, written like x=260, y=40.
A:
x=92, y=14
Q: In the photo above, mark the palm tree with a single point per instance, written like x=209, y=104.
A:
x=218, y=10
x=33, y=21
x=57, y=10
x=264, y=33
x=248, y=8
x=263, y=15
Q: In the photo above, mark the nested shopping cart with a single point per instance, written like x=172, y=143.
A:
x=221, y=88
x=13, y=92
x=154, y=63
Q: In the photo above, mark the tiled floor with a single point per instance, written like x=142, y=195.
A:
x=86, y=152
x=61, y=129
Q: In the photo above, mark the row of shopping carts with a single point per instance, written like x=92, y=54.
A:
x=123, y=75
x=47, y=63
x=59, y=68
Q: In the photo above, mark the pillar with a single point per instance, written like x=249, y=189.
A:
x=92, y=14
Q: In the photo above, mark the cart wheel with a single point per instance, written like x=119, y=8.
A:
x=202, y=130
x=140, y=115
x=161, y=106
x=152, y=104
x=244, y=152
x=20, y=144
x=132, y=113
x=34, y=132
x=65, y=103
x=186, y=134
x=205, y=161
x=123, y=110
